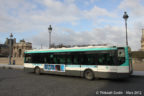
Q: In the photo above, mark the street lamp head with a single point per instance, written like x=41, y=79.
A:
x=50, y=28
x=11, y=35
x=125, y=16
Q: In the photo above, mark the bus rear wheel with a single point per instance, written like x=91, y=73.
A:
x=37, y=71
x=88, y=74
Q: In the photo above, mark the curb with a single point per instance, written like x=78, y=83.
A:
x=138, y=73
x=6, y=66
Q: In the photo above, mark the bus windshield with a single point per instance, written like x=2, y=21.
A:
x=121, y=56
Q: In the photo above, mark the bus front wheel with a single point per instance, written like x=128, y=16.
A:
x=37, y=71
x=88, y=74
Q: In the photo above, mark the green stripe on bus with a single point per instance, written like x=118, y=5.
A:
x=70, y=50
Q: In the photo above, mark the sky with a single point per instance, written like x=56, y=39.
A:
x=74, y=22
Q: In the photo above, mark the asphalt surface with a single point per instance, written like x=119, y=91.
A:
x=18, y=83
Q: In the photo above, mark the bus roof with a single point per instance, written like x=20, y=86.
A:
x=73, y=49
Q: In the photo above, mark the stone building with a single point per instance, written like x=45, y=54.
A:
x=18, y=51
x=4, y=48
x=7, y=42
x=142, y=40
x=19, y=48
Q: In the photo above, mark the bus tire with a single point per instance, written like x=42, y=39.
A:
x=37, y=70
x=89, y=75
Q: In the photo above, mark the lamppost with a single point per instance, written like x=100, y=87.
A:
x=10, y=46
x=50, y=30
x=125, y=16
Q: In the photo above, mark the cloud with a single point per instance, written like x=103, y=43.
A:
x=96, y=11
x=21, y=16
x=133, y=6
x=35, y=15
x=107, y=35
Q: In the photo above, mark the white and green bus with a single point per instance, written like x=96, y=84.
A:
x=89, y=62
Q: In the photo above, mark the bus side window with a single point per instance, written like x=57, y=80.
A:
x=55, y=60
x=91, y=59
x=83, y=59
x=45, y=60
x=28, y=59
x=37, y=58
x=96, y=59
x=106, y=59
x=62, y=60
x=51, y=58
x=34, y=60
x=58, y=61
x=80, y=59
x=41, y=58
x=68, y=60
x=75, y=59
x=105, y=56
x=110, y=59
x=100, y=59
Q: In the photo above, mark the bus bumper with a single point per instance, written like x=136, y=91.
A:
x=111, y=75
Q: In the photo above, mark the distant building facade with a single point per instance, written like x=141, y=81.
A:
x=18, y=51
x=4, y=48
x=142, y=40
x=19, y=48
x=7, y=42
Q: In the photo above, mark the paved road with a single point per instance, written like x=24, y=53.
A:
x=18, y=83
